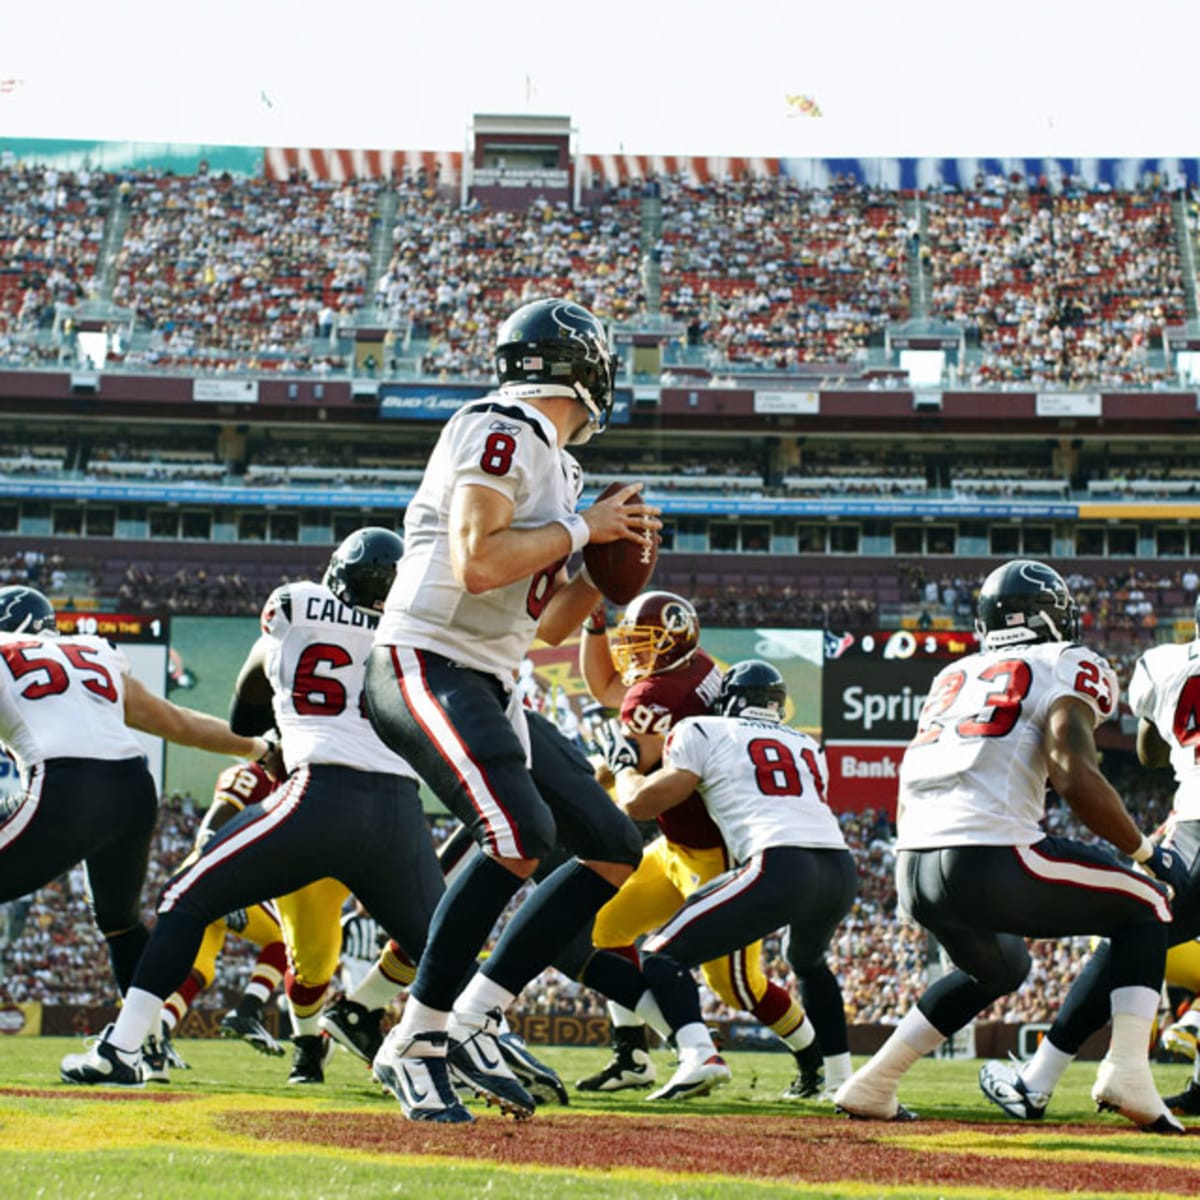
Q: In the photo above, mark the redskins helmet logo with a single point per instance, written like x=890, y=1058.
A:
x=675, y=618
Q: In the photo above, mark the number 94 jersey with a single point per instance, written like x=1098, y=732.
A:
x=975, y=774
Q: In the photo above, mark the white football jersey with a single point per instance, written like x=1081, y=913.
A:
x=316, y=654
x=764, y=784
x=498, y=442
x=1165, y=689
x=975, y=774
x=63, y=697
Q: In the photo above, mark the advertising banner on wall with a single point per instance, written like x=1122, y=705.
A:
x=872, y=690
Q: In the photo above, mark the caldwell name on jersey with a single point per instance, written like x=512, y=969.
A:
x=1165, y=689
x=763, y=783
x=315, y=650
x=976, y=772
x=63, y=697
x=511, y=447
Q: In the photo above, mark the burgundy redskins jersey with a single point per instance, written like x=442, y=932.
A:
x=655, y=705
x=243, y=784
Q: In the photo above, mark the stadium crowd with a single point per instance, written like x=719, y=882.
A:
x=1068, y=287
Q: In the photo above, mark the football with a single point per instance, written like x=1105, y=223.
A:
x=621, y=569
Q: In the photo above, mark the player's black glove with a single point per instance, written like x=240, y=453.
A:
x=237, y=920
x=619, y=751
x=272, y=760
x=1168, y=866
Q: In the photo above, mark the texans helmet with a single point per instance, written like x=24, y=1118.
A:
x=559, y=342
x=26, y=610
x=752, y=688
x=658, y=631
x=362, y=568
x=1025, y=602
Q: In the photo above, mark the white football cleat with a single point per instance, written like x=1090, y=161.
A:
x=102, y=1064
x=477, y=1061
x=1128, y=1088
x=415, y=1072
x=1002, y=1084
x=696, y=1075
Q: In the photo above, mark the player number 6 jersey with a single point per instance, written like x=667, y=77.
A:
x=976, y=772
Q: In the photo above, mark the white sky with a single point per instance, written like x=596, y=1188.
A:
x=1078, y=78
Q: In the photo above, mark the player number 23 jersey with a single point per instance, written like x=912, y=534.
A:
x=976, y=772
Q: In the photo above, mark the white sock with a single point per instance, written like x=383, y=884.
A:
x=306, y=1026
x=138, y=1017
x=420, y=1018
x=1130, y=1037
x=694, y=1040
x=913, y=1039
x=1047, y=1066
x=375, y=991
x=622, y=1017
x=838, y=1068
x=259, y=991
x=169, y=1019
x=803, y=1035
x=482, y=994
x=651, y=1014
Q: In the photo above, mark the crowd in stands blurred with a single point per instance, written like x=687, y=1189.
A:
x=1068, y=287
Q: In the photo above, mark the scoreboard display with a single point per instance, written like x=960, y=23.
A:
x=873, y=686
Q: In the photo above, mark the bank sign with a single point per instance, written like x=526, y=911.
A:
x=873, y=686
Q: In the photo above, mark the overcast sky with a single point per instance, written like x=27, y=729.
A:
x=922, y=77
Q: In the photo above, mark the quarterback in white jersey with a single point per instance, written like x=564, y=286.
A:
x=347, y=819
x=67, y=705
x=489, y=534
x=976, y=870
x=763, y=784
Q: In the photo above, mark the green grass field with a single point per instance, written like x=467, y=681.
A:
x=231, y=1127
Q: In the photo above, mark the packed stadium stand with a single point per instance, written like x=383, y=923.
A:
x=851, y=393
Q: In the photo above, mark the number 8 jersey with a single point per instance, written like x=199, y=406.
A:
x=512, y=448
x=975, y=774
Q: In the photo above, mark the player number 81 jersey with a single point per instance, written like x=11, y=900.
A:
x=976, y=772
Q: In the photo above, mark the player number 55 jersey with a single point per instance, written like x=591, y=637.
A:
x=63, y=697
x=976, y=772
x=763, y=783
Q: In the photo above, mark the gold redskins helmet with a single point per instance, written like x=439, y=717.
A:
x=657, y=632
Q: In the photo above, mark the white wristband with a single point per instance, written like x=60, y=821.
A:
x=1143, y=851
x=578, y=530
